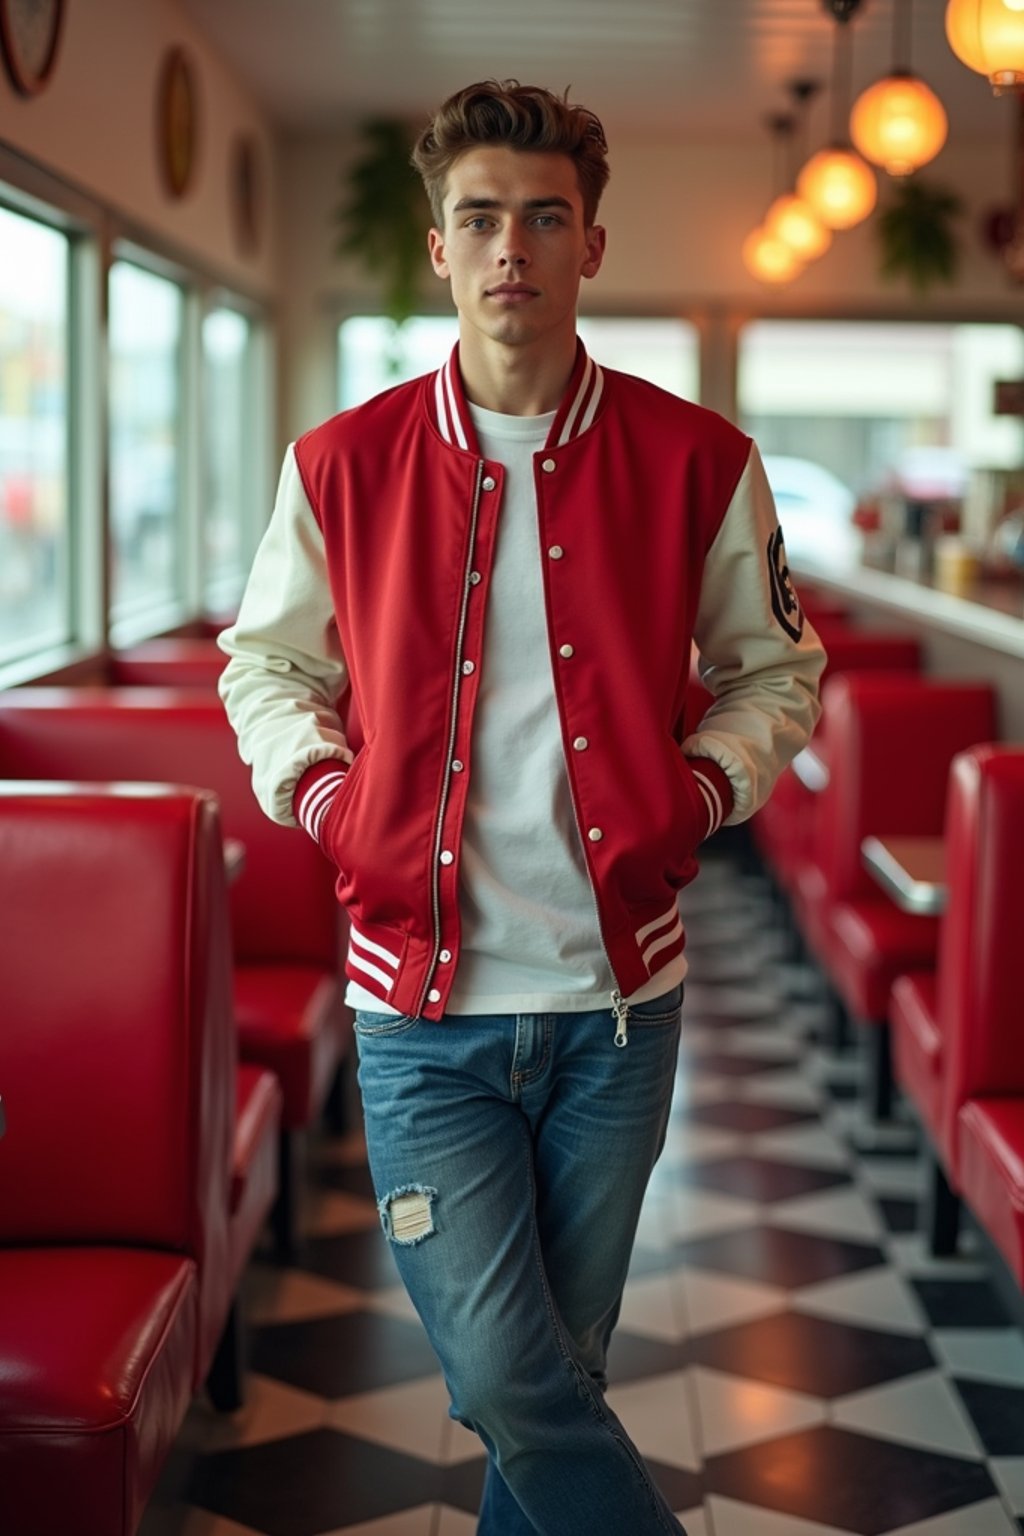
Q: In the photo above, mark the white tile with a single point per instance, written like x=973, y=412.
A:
x=393, y=1300
x=408, y=1522
x=909, y=1252
x=711, y=1300
x=986, y=1519
x=920, y=1410
x=272, y=1409
x=410, y=1417
x=647, y=1309
x=983, y=1354
x=728, y=1517
x=763, y=1041
x=739, y=1003
x=687, y=1142
x=878, y=1298
x=832, y=1213
x=694, y=1522
x=699, y=1214
x=810, y=1146
x=899, y=1176
x=787, y=1090
x=734, y=1411
x=1008, y=1472
x=658, y=1414
x=292, y=1295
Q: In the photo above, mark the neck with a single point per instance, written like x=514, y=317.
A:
x=517, y=381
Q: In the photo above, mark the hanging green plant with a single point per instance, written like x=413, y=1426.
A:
x=386, y=215
x=917, y=235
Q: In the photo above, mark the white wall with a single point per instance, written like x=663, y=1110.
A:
x=676, y=216
x=94, y=126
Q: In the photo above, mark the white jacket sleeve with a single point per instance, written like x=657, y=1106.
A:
x=286, y=668
x=758, y=655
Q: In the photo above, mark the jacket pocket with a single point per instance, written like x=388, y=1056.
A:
x=332, y=837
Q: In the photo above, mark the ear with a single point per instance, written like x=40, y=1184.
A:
x=595, y=241
x=438, y=260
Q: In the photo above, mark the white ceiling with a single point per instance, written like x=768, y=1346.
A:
x=699, y=69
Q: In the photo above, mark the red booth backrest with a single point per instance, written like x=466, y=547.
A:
x=283, y=906
x=117, y=1051
x=869, y=651
x=980, y=996
x=174, y=663
x=890, y=741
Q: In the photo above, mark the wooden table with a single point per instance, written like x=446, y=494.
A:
x=912, y=870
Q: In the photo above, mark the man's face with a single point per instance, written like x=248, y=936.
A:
x=514, y=244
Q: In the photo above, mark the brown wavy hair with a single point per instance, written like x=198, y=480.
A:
x=525, y=117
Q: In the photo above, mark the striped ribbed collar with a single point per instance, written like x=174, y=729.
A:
x=450, y=409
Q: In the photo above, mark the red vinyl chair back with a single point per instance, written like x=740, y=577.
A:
x=283, y=907
x=979, y=995
x=890, y=742
x=172, y=663
x=854, y=650
x=117, y=1051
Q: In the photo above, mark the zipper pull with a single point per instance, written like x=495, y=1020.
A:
x=620, y=1013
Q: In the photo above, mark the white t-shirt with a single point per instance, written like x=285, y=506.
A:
x=530, y=936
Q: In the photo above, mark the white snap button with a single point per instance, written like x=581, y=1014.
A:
x=447, y=857
x=556, y=551
x=581, y=743
x=488, y=482
x=457, y=765
x=566, y=651
x=433, y=996
x=468, y=667
x=595, y=834
x=474, y=577
x=548, y=465
x=445, y=956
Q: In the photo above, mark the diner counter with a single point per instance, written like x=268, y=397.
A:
x=991, y=613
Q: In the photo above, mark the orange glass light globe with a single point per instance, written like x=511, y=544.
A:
x=988, y=36
x=899, y=123
x=795, y=222
x=839, y=186
x=769, y=258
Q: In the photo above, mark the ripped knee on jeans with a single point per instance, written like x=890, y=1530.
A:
x=407, y=1214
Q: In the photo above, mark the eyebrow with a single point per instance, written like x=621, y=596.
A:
x=494, y=202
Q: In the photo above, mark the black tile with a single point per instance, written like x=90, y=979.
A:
x=758, y=1178
x=840, y=1089
x=339, y=1355
x=898, y=1215
x=351, y=1179
x=952, y=1303
x=360, y=1259
x=310, y=1483
x=997, y=1413
x=816, y=1355
x=749, y=1118
x=462, y=1485
x=633, y=1356
x=787, y=1259
x=852, y=1481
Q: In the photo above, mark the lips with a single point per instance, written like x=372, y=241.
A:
x=512, y=291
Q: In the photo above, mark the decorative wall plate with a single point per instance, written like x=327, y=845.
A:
x=246, y=193
x=177, y=121
x=29, y=35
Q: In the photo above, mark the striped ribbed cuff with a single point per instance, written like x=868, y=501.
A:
x=713, y=783
x=315, y=792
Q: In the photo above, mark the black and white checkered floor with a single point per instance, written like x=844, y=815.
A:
x=789, y=1359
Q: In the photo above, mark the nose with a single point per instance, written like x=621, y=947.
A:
x=513, y=251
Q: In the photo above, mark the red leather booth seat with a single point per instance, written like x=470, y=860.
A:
x=285, y=919
x=890, y=744
x=167, y=663
x=957, y=1041
x=119, y=1077
x=783, y=830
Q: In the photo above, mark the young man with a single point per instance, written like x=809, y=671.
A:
x=507, y=562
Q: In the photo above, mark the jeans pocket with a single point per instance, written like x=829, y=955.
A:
x=658, y=1010
x=370, y=1025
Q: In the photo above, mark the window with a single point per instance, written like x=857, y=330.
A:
x=373, y=356
x=896, y=412
x=35, y=560
x=145, y=481
x=228, y=418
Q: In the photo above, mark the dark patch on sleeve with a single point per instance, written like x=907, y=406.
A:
x=785, y=603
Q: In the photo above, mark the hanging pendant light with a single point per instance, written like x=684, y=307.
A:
x=899, y=123
x=988, y=36
x=839, y=185
x=790, y=217
x=770, y=259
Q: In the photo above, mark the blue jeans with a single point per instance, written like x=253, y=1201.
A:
x=510, y=1155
